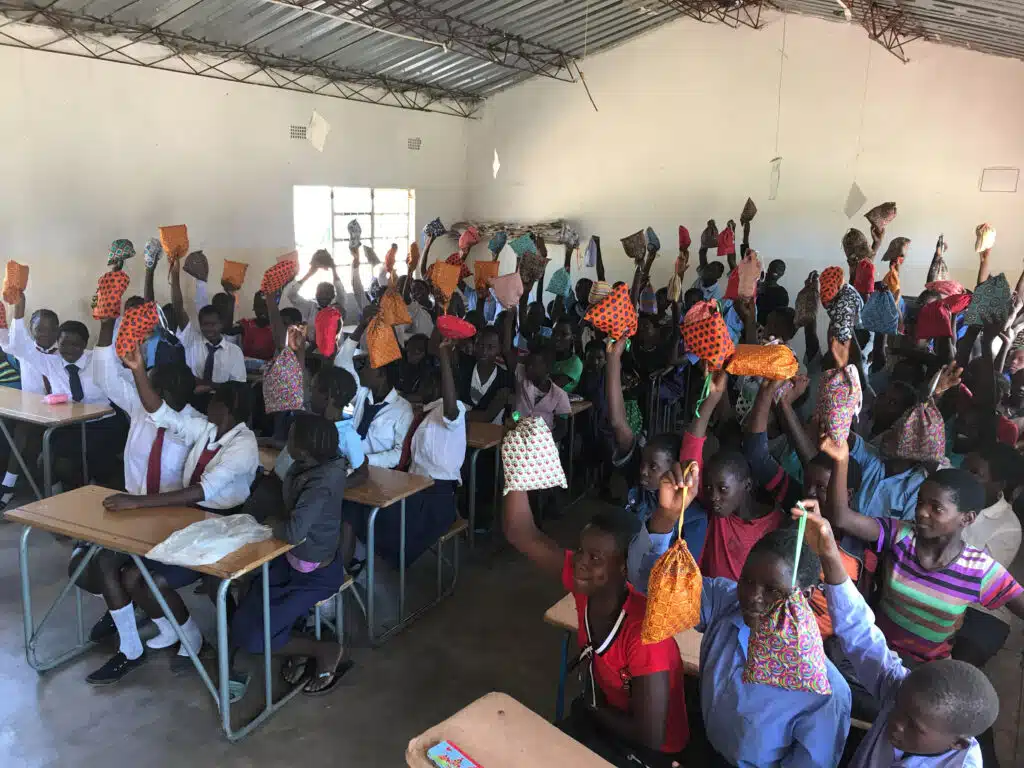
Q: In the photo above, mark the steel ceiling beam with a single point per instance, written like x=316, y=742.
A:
x=420, y=20
x=86, y=36
x=889, y=26
x=736, y=13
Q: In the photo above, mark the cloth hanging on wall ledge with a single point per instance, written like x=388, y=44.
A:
x=551, y=231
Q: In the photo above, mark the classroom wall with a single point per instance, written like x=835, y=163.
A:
x=94, y=151
x=687, y=129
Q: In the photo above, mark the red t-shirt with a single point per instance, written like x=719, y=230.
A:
x=257, y=342
x=729, y=541
x=627, y=657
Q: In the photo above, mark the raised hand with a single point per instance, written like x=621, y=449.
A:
x=678, y=486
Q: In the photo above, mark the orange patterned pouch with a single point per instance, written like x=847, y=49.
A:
x=3, y=317
x=393, y=310
x=15, y=281
x=484, y=271
x=769, y=361
x=279, y=275
x=381, y=343
x=174, y=240
x=614, y=314
x=456, y=260
x=109, y=291
x=234, y=273
x=706, y=334
x=673, y=589
x=136, y=326
x=444, y=277
x=830, y=281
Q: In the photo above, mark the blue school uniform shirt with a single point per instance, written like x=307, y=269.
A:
x=881, y=672
x=754, y=725
x=881, y=496
x=713, y=291
x=647, y=547
x=350, y=445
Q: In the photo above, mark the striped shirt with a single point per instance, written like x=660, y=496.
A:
x=920, y=609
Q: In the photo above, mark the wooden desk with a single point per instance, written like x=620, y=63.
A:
x=80, y=514
x=30, y=408
x=482, y=437
x=575, y=407
x=499, y=732
x=381, y=489
x=579, y=406
x=563, y=615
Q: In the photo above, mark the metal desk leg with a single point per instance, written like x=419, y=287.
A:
x=85, y=457
x=371, y=584
x=472, y=494
x=48, y=462
x=32, y=632
x=401, y=567
x=563, y=672
x=21, y=459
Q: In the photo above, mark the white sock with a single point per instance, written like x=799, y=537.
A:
x=10, y=479
x=166, y=638
x=128, y=631
x=193, y=635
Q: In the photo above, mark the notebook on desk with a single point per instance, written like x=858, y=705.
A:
x=447, y=755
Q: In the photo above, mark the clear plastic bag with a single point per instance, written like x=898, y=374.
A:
x=208, y=541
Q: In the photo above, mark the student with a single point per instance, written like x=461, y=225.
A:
x=929, y=717
x=211, y=357
x=70, y=372
x=309, y=573
x=254, y=332
x=932, y=577
x=154, y=461
x=536, y=394
x=480, y=382
x=419, y=311
x=217, y=476
x=415, y=368
x=437, y=450
x=997, y=531
x=643, y=468
x=770, y=295
x=567, y=366
x=707, y=280
x=43, y=328
x=326, y=293
x=633, y=711
x=382, y=417
x=751, y=724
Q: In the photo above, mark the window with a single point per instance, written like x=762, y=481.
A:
x=322, y=215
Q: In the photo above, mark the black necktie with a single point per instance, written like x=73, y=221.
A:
x=208, y=367
x=76, y=383
x=369, y=412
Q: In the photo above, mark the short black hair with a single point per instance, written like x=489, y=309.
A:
x=853, y=469
x=237, y=398
x=209, y=311
x=786, y=315
x=716, y=266
x=668, y=443
x=134, y=301
x=175, y=379
x=958, y=693
x=966, y=490
x=75, y=328
x=316, y=436
x=39, y=314
x=418, y=338
x=594, y=343
x=291, y=316
x=731, y=460
x=338, y=383
x=782, y=544
x=617, y=523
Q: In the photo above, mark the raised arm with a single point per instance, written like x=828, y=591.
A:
x=523, y=534
x=177, y=300
x=983, y=266
x=148, y=293
x=106, y=370
x=600, y=261
x=277, y=327
x=151, y=401
x=508, y=350
x=837, y=511
x=448, y=398
x=624, y=437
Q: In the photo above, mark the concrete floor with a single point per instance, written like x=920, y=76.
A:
x=488, y=636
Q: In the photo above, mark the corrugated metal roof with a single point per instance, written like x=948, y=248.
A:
x=472, y=48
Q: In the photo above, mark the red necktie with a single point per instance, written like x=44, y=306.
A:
x=204, y=458
x=153, y=468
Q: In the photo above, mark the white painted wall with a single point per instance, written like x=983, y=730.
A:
x=687, y=127
x=93, y=151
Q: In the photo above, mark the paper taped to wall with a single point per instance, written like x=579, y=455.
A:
x=318, y=130
x=773, y=181
x=855, y=200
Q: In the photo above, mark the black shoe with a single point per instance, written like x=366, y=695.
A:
x=112, y=672
x=103, y=630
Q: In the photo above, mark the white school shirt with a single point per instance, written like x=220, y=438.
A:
x=31, y=378
x=53, y=366
x=229, y=475
x=386, y=435
x=422, y=322
x=119, y=386
x=228, y=365
x=438, y=446
x=996, y=530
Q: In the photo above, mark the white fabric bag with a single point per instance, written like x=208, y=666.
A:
x=208, y=541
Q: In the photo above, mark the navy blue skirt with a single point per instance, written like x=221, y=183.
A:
x=428, y=514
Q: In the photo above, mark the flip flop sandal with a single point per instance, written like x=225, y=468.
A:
x=355, y=568
x=294, y=669
x=339, y=671
x=237, y=687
